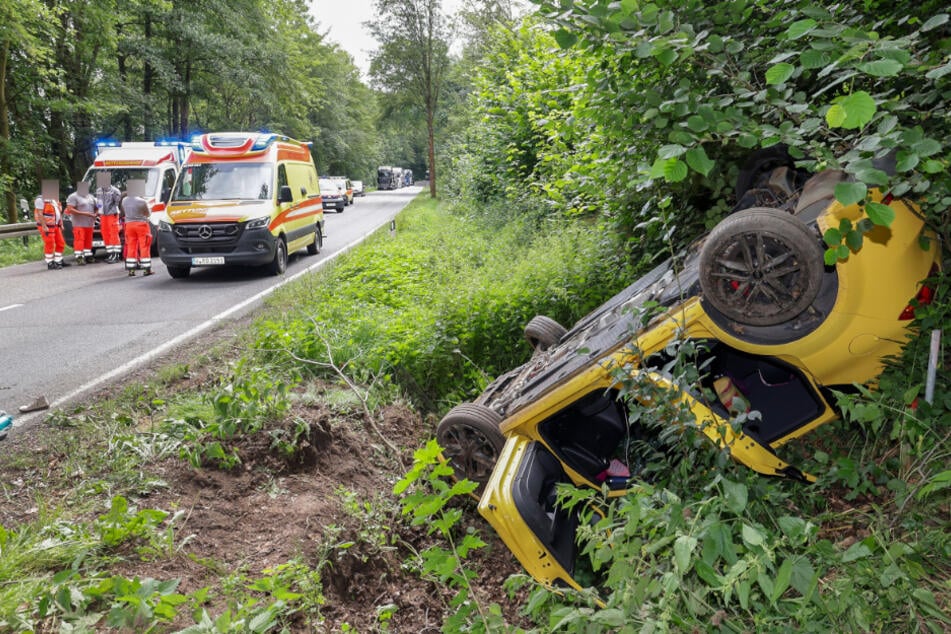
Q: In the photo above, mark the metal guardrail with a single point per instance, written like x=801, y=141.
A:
x=18, y=230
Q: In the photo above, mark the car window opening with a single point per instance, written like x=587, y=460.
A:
x=593, y=435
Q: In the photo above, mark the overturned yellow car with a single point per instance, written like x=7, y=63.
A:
x=776, y=329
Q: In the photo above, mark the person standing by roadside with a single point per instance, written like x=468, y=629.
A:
x=108, y=197
x=138, y=232
x=49, y=222
x=81, y=205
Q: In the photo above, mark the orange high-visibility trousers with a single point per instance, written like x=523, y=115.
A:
x=82, y=241
x=53, y=243
x=109, y=226
x=138, y=245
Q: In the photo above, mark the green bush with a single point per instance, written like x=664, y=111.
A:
x=438, y=309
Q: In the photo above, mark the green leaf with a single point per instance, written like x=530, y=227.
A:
x=565, y=39
x=698, y=160
x=665, y=55
x=854, y=240
x=880, y=214
x=881, y=68
x=779, y=73
x=926, y=147
x=707, y=573
x=842, y=252
x=683, y=551
x=832, y=237
x=855, y=111
x=935, y=22
x=856, y=551
x=813, y=59
x=850, y=193
x=671, y=151
x=939, y=72
x=736, y=495
x=835, y=116
x=752, y=536
x=906, y=161
x=675, y=170
x=697, y=123
x=799, y=28
x=803, y=577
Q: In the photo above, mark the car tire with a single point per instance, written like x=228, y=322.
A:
x=278, y=265
x=178, y=272
x=471, y=441
x=543, y=332
x=761, y=267
x=314, y=247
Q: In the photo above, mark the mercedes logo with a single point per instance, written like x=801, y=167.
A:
x=205, y=232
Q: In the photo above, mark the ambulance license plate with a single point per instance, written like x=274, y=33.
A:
x=208, y=261
x=98, y=243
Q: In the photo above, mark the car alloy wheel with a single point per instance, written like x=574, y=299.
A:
x=761, y=267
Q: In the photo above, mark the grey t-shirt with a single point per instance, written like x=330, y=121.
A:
x=135, y=208
x=85, y=203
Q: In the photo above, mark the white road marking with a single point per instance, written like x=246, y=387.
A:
x=23, y=421
x=9, y=307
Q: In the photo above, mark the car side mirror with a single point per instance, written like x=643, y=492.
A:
x=285, y=195
x=166, y=195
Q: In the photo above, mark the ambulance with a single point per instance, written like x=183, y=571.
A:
x=155, y=162
x=245, y=199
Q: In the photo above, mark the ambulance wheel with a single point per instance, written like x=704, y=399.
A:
x=179, y=272
x=471, y=441
x=314, y=247
x=279, y=264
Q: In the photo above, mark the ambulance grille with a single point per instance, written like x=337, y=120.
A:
x=208, y=236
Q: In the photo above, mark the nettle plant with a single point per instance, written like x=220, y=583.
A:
x=843, y=85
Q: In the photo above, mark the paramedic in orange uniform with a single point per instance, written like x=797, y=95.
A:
x=49, y=222
x=108, y=197
x=138, y=233
x=81, y=205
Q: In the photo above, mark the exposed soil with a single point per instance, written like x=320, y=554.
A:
x=269, y=511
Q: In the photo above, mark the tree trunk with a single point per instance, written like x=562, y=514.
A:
x=147, y=75
x=183, y=109
x=431, y=141
x=9, y=196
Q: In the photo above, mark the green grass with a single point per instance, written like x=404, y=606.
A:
x=20, y=250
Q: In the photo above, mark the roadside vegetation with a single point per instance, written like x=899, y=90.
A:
x=285, y=480
x=18, y=251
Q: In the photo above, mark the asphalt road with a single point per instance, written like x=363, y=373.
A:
x=65, y=333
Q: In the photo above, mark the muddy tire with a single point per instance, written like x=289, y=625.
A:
x=761, y=267
x=471, y=441
x=543, y=332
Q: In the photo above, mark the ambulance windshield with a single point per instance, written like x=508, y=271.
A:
x=225, y=181
x=121, y=175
